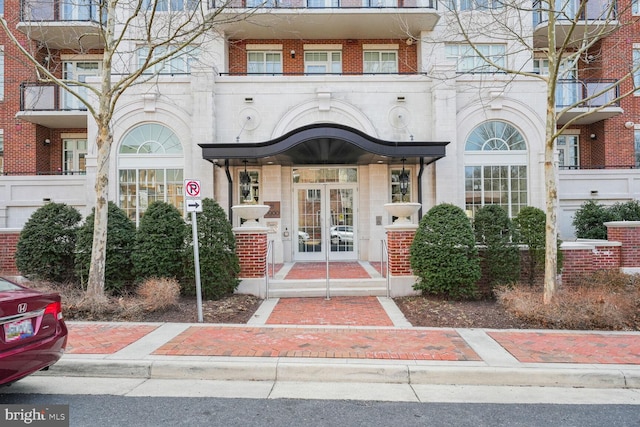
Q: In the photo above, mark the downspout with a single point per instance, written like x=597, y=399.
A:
x=420, y=187
x=230, y=189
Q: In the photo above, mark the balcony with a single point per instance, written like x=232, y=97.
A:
x=597, y=17
x=50, y=106
x=329, y=19
x=65, y=24
x=587, y=96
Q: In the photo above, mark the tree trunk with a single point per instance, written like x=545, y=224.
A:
x=95, y=287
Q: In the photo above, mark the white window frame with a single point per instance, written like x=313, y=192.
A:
x=383, y=64
x=635, y=7
x=1, y=151
x=636, y=68
x=267, y=67
x=179, y=63
x=461, y=5
x=468, y=60
x=331, y=65
x=568, y=146
x=74, y=153
x=636, y=136
x=171, y=5
x=72, y=70
x=1, y=72
x=496, y=154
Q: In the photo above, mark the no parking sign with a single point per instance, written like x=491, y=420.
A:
x=192, y=187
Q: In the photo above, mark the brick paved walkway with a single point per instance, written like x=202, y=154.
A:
x=360, y=341
x=103, y=338
x=401, y=344
x=348, y=311
x=318, y=270
x=551, y=347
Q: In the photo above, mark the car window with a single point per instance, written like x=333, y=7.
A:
x=8, y=286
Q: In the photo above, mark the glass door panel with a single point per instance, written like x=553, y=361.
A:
x=309, y=222
x=325, y=216
x=342, y=224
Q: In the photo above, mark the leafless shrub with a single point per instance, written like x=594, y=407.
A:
x=159, y=293
x=604, y=300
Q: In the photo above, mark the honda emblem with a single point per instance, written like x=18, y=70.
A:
x=22, y=308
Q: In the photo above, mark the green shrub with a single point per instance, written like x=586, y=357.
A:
x=494, y=230
x=530, y=231
x=47, y=243
x=121, y=233
x=444, y=254
x=627, y=211
x=160, y=243
x=219, y=264
x=589, y=220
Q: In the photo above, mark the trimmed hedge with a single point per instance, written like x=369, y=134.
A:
x=160, y=243
x=46, y=248
x=444, y=254
x=219, y=264
x=494, y=232
x=121, y=234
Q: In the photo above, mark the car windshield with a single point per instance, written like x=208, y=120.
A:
x=7, y=286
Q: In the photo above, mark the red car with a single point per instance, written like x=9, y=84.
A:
x=33, y=335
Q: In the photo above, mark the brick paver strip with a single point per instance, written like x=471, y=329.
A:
x=103, y=338
x=549, y=347
x=318, y=270
x=347, y=311
x=401, y=344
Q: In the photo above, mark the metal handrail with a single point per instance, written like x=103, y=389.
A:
x=266, y=276
x=326, y=257
x=384, y=260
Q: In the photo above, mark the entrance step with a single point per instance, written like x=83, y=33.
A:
x=318, y=288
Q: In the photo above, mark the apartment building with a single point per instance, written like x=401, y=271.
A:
x=325, y=110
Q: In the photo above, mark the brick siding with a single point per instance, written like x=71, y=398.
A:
x=8, y=243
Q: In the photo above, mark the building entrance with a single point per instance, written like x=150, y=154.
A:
x=325, y=214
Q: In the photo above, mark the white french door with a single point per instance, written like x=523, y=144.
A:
x=325, y=220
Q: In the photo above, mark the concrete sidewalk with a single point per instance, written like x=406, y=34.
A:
x=278, y=345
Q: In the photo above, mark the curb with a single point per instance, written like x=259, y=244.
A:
x=348, y=371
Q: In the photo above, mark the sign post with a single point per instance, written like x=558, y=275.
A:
x=194, y=204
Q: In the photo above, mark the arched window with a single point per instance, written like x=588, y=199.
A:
x=495, y=167
x=150, y=168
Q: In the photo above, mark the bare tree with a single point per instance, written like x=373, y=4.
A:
x=561, y=34
x=135, y=38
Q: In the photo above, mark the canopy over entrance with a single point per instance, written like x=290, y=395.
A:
x=324, y=144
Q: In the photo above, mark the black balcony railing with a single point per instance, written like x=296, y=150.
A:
x=587, y=93
x=61, y=10
x=595, y=10
x=323, y=4
x=48, y=97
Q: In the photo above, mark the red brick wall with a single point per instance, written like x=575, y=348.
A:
x=630, y=239
x=399, y=246
x=352, y=54
x=8, y=243
x=578, y=262
x=251, y=249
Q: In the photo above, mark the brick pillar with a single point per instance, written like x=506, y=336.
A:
x=251, y=248
x=8, y=243
x=399, y=240
x=628, y=234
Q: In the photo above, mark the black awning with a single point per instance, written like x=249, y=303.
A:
x=324, y=144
